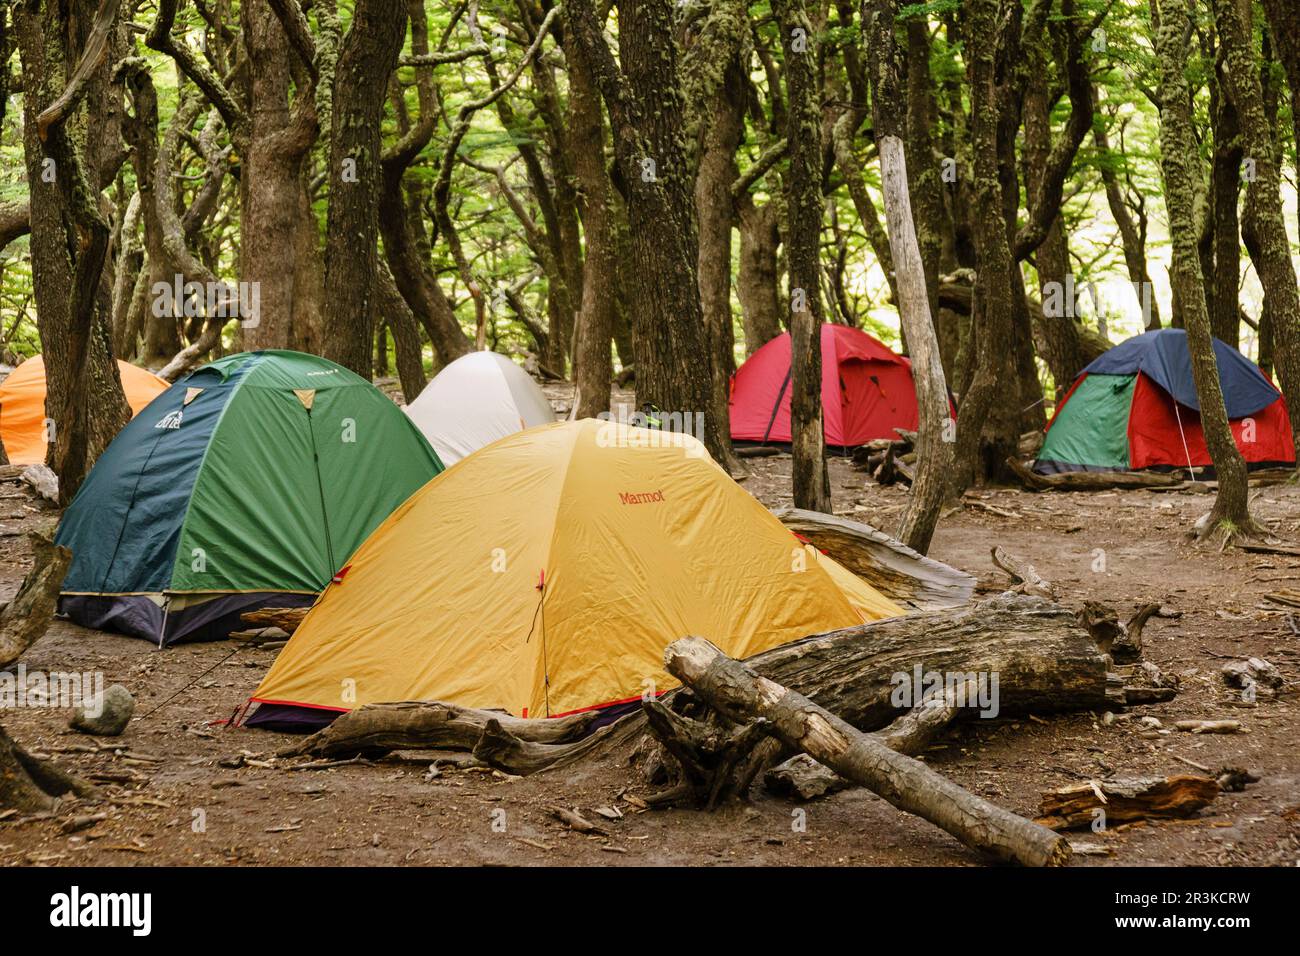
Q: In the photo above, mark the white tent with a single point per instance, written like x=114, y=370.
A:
x=475, y=400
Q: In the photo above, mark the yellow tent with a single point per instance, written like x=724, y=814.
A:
x=22, y=405
x=545, y=574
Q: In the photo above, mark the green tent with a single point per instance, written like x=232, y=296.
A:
x=247, y=484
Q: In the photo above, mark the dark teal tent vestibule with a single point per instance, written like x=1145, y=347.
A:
x=247, y=484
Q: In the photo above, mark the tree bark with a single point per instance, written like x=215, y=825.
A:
x=905, y=577
x=804, y=205
x=1183, y=195
x=593, y=367
x=715, y=86
x=642, y=92
x=367, y=58
x=1060, y=326
x=69, y=237
x=273, y=145
x=984, y=442
x=1224, y=282
x=1276, y=272
x=757, y=281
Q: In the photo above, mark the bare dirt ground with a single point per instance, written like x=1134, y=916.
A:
x=174, y=802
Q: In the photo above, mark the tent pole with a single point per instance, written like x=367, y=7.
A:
x=1186, y=453
x=777, y=406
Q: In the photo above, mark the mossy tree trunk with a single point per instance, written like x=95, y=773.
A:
x=1183, y=195
x=64, y=68
x=985, y=441
x=804, y=206
x=715, y=81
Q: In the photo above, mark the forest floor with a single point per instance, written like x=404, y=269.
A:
x=177, y=804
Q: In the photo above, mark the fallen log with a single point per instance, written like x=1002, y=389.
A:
x=286, y=619
x=757, y=451
x=1125, y=800
x=741, y=695
x=1042, y=659
x=888, y=565
x=1090, y=480
x=1032, y=656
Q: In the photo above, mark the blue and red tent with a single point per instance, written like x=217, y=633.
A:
x=1136, y=407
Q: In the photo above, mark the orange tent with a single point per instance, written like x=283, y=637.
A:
x=22, y=406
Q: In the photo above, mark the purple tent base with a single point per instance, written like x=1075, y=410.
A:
x=138, y=616
x=292, y=719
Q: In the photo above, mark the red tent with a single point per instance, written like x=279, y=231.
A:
x=867, y=390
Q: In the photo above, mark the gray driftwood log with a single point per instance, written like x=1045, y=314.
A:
x=888, y=565
x=743, y=696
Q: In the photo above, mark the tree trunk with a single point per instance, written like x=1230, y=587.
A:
x=924, y=181
x=1225, y=177
x=406, y=333
x=757, y=282
x=69, y=240
x=1060, y=325
x=1276, y=272
x=720, y=119
x=984, y=442
x=803, y=198
x=593, y=367
x=367, y=58
x=1132, y=234
x=1182, y=186
x=644, y=98
x=273, y=146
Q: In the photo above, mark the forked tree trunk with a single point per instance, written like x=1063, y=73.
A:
x=642, y=91
x=69, y=240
